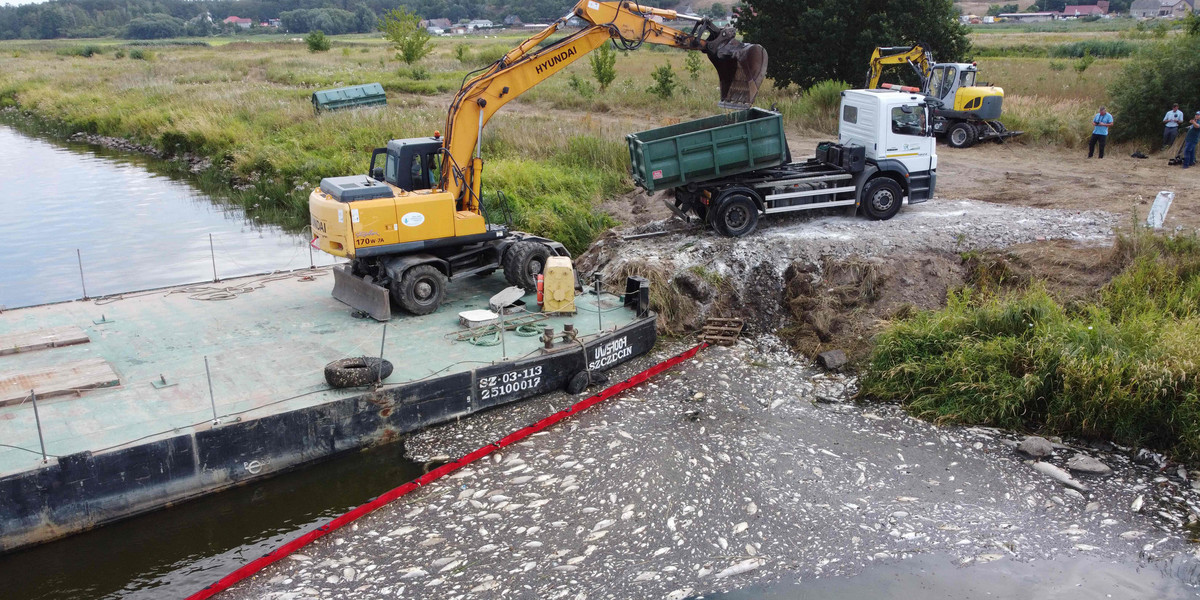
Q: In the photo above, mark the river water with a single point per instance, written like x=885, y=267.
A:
x=133, y=227
x=138, y=229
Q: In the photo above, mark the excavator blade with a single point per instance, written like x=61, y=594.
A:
x=361, y=294
x=741, y=68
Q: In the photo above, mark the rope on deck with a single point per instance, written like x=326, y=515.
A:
x=288, y=548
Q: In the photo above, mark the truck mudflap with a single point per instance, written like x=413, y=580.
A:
x=361, y=294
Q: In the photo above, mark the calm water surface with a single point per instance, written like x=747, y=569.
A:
x=135, y=229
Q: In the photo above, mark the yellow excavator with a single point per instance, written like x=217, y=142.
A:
x=416, y=221
x=967, y=114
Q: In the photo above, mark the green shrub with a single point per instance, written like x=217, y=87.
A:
x=665, y=81
x=87, y=51
x=693, y=64
x=604, y=65
x=462, y=52
x=419, y=73
x=1161, y=74
x=120, y=53
x=1095, y=48
x=1123, y=367
x=1083, y=63
x=581, y=87
x=316, y=41
x=1057, y=66
x=140, y=54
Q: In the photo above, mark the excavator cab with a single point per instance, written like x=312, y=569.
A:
x=411, y=164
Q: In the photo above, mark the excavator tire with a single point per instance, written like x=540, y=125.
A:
x=523, y=262
x=357, y=372
x=961, y=135
x=421, y=290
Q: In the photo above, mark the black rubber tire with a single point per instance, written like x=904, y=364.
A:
x=961, y=135
x=356, y=372
x=578, y=383
x=420, y=290
x=523, y=262
x=882, y=198
x=736, y=216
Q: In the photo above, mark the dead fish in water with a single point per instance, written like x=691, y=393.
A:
x=1059, y=475
x=743, y=567
x=1137, y=504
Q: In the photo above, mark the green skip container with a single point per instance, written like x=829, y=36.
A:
x=369, y=94
x=708, y=148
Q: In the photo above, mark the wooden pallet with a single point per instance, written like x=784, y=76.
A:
x=40, y=339
x=721, y=331
x=60, y=380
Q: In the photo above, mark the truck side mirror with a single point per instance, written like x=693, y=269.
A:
x=377, y=173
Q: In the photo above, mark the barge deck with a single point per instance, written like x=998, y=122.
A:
x=131, y=423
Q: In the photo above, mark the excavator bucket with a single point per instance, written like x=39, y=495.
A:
x=741, y=68
x=361, y=294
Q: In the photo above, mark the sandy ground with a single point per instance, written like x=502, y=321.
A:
x=731, y=471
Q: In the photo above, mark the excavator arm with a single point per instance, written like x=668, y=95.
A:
x=917, y=57
x=741, y=68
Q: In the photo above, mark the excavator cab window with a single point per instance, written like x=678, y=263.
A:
x=967, y=79
x=412, y=164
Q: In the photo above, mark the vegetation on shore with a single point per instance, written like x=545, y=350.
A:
x=1124, y=366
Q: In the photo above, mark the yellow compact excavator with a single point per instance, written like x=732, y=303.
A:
x=416, y=222
x=968, y=113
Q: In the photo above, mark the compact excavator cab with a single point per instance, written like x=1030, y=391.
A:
x=412, y=164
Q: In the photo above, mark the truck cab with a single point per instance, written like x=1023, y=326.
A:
x=895, y=129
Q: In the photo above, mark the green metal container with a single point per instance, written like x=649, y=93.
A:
x=370, y=94
x=707, y=148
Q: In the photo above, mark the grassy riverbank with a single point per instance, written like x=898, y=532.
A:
x=244, y=106
x=1124, y=366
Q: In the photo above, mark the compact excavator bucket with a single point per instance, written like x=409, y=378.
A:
x=741, y=68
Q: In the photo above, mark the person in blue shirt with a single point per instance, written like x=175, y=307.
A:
x=1100, y=124
x=1189, y=141
x=1171, y=123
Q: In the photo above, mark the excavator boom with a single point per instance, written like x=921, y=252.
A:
x=741, y=68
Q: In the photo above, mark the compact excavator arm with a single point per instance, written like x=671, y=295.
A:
x=917, y=57
x=741, y=68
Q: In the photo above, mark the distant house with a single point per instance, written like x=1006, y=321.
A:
x=512, y=21
x=240, y=22
x=479, y=24
x=1160, y=9
x=1074, y=11
x=1033, y=17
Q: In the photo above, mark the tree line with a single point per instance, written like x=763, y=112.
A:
x=149, y=19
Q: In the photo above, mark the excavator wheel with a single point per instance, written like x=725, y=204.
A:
x=961, y=135
x=421, y=290
x=523, y=262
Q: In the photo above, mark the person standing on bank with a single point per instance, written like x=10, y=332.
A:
x=1171, y=124
x=1100, y=124
x=1189, y=141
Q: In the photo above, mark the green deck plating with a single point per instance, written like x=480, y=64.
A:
x=152, y=438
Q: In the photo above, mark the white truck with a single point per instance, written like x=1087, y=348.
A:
x=729, y=169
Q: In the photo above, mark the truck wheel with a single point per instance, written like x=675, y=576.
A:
x=421, y=290
x=961, y=135
x=736, y=216
x=881, y=198
x=523, y=262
